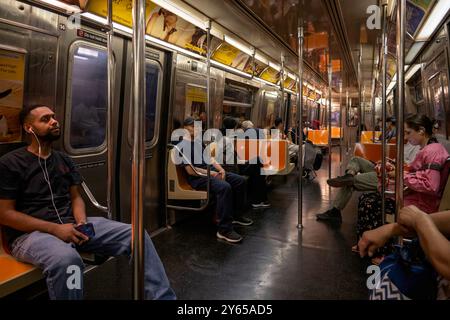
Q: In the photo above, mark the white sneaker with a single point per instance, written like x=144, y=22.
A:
x=261, y=205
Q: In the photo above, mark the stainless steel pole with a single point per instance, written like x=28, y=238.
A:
x=138, y=161
x=208, y=76
x=208, y=101
x=300, y=124
x=330, y=79
x=383, y=115
x=341, y=129
x=348, y=105
x=360, y=111
x=401, y=22
x=110, y=123
x=283, y=101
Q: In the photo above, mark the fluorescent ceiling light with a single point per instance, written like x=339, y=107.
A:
x=434, y=19
x=275, y=66
x=228, y=68
x=412, y=71
x=270, y=94
x=238, y=45
x=292, y=76
x=261, y=58
x=413, y=51
x=289, y=91
x=216, y=33
x=94, y=17
x=61, y=5
x=266, y=82
x=184, y=13
x=174, y=47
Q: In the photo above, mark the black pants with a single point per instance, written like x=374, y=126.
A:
x=257, y=190
x=229, y=193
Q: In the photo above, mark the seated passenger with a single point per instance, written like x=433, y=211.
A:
x=257, y=189
x=293, y=148
x=229, y=188
x=433, y=231
x=40, y=206
x=360, y=175
x=391, y=131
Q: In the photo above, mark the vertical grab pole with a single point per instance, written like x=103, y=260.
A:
x=348, y=105
x=330, y=78
x=208, y=100
x=341, y=129
x=300, y=123
x=360, y=112
x=137, y=186
x=383, y=115
x=283, y=102
x=401, y=21
x=110, y=124
x=374, y=87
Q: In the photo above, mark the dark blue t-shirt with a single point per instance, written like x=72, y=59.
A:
x=22, y=179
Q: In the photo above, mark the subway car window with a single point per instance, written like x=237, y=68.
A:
x=237, y=102
x=88, y=97
x=151, y=100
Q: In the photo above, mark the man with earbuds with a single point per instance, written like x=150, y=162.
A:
x=40, y=206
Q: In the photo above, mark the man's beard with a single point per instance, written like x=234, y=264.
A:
x=50, y=137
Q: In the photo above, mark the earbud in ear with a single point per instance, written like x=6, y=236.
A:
x=30, y=130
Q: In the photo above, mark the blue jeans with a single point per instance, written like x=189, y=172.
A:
x=230, y=195
x=112, y=238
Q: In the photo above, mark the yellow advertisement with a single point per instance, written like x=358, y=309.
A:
x=289, y=83
x=121, y=10
x=391, y=66
x=196, y=102
x=12, y=68
x=270, y=75
x=233, y=57
x=225, y=54
x=167, y=26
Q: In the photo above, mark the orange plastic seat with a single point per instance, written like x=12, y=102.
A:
x=335, y=132
x=368, y=136
x=372, y=151
x=318, y=137
x=274, y=154
x=15, y=275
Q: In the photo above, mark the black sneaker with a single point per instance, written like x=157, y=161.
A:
x=261, y=205
x=243, y=221
x=230, y=236
x=346, y=180
x=333, y=214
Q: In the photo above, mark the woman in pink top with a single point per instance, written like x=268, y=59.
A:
x=423, y=178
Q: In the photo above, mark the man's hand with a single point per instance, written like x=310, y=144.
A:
x=67, y=233
x=374, y=239
x=408, y=216
x=222, y=174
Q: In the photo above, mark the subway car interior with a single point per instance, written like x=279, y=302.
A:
x=230, y=149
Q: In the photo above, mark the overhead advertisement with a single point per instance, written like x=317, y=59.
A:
x=289, y=83
x=233, y=57
x=270, y=75
x=12, y=73
x=167, y=26
x=121, y=10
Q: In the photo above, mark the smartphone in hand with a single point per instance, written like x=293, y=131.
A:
x=87, y=229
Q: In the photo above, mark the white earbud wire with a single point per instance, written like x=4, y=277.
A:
x=46, y=176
